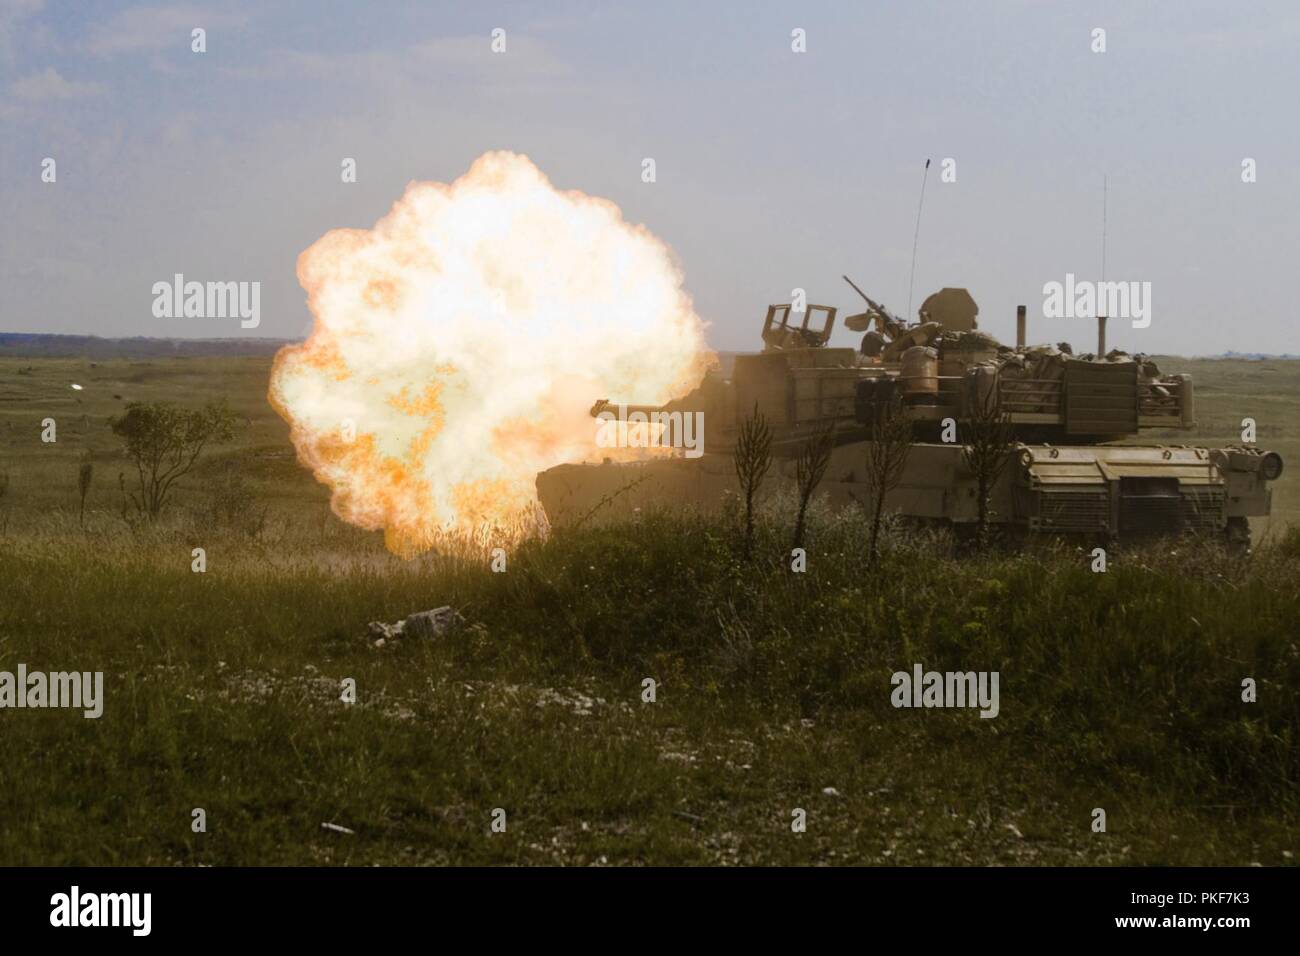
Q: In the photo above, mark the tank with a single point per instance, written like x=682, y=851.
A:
x=1074, y=466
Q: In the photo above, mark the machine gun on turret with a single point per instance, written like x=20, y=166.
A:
x=891, y=336
x=888, y=325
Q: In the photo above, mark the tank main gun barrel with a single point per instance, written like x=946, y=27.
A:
x=605, y=405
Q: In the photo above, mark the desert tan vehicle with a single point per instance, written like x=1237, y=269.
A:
x=1067, y=419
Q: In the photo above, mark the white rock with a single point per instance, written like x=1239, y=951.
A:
x=425, y=624
x=433, y=623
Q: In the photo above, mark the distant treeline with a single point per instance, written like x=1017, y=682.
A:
x=38, y=345
x=1255, y=356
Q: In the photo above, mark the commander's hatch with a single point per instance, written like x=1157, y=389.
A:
x=784, y=329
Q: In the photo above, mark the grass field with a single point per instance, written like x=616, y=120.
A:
x=1119, y=691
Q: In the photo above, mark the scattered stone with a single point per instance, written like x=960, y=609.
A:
x=830, y=791
x=577, y=702
x=673, y=755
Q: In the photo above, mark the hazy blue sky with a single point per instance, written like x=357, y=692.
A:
x=775, y=169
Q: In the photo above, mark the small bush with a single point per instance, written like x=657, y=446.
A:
x=233, y=505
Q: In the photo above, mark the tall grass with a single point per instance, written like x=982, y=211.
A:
x=1132, y=673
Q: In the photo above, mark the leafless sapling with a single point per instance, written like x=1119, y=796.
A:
x=84, y=476
x=891, y=440
x=809, y=469
x=986, y=450
x=752, y=458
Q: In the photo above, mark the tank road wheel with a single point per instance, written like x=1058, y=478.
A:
x=1237, y=535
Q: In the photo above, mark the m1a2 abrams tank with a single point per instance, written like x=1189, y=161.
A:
x=1069, y=420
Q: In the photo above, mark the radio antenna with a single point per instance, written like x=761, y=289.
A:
x=916, y=238
x=1104, y=190
x=1101, y=319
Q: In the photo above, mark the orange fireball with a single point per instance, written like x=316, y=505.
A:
x=459, y=344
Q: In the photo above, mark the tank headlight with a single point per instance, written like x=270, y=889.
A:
x=1271, y=466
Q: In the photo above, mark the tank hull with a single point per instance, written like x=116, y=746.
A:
x=1109, y=491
